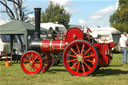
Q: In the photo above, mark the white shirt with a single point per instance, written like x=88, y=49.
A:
x=123, y=41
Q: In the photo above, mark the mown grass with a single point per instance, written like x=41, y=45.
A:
x=115, y=74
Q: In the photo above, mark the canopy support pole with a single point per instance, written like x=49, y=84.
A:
x=11, y=45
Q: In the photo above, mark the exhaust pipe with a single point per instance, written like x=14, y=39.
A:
x=36, y=43
x=37, y=23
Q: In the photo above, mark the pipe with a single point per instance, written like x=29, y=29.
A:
x=37, y=23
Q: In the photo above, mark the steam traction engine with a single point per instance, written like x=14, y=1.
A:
x=81, y=56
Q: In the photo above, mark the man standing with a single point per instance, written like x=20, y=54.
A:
x=123, y=46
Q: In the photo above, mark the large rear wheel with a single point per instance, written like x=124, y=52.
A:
x=80, y=58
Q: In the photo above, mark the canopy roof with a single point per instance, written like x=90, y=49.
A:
x=17, y=27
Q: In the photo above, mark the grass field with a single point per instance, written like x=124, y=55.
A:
x=115, y=74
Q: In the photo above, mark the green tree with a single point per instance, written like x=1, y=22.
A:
x=119, y=19
x=55, y=13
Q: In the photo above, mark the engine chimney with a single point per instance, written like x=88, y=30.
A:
x=37, y=23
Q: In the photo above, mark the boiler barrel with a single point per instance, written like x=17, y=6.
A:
x=53, y=46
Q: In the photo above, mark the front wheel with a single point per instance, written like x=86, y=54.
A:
x=31, y=62
x=80, y=58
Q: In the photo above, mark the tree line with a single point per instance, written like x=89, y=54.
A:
x=57, y=14
x=119, y=19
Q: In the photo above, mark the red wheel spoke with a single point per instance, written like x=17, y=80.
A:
x=82, y=49
x=87, y=65
x=83, y=68
x=31, y=69
x=37, y=65
x=34, y=68
x=26, y=60
x=26, y=63
x=90, y=61
x=78, y=67
x=78, y=48
x=31, y=56
x=35, y=58
x=36, y=61
x=87, y=51
x=73, y=51
x=44, y=65
x=74, y=65
x=28, y=56
x=47, y=62
x=46, y=56
x=46, y=59
x=89, y=56
x=71, y=60
x=28, y=67
x=71, y=55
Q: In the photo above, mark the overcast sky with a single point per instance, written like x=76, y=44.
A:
x=83, y=12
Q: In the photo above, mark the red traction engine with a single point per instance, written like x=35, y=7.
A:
x=81, y=56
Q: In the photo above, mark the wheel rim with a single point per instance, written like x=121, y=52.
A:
x=31, y=62
x=47, y=62
x=80, y=58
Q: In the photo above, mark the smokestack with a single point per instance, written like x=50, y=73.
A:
x=37, y=23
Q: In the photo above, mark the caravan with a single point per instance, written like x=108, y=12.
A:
x=106, y=35
x=60, y=27
x=57, y=28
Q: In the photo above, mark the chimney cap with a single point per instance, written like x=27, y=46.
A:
x=37, y=8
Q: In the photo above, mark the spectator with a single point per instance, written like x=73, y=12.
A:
x=123, y=46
